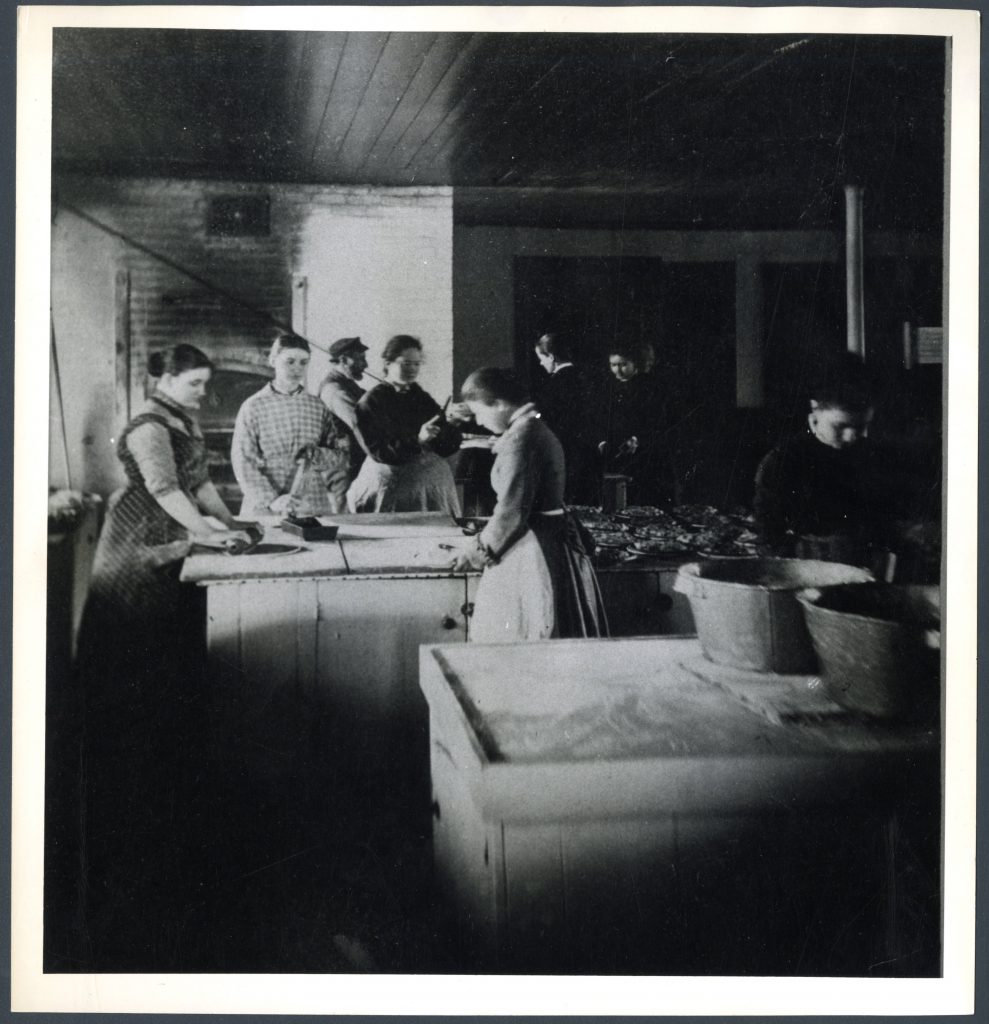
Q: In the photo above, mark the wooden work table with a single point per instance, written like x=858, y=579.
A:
x=348, y=616
x=609, y=805
x=368, y=544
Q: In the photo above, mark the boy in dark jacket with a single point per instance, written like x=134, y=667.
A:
x=818, y=495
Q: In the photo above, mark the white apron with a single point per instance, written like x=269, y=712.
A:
x=515, y=597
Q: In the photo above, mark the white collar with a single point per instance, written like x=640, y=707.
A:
x=523, y=413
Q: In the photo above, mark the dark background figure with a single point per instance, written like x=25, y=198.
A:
x=564, y=398
x=682, y=410
x=633, y=432
x=824, y=492
x=340, y=391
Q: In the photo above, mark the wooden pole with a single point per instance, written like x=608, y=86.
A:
x=749, y=370
x=853, y=269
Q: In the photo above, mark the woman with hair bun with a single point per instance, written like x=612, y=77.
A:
x=161, y=511
x=538, y=581
x=140, y=664
x=408, y=437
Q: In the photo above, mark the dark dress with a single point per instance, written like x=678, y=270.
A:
x=565, y=401
x=638, y=408
x=815, y=501
x=340, y=394
x=403, y=475
x=140, y=677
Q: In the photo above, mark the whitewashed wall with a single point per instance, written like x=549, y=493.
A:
x=374, y=263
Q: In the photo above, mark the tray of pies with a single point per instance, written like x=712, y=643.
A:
x=595, y=519
x=659, y=547
x=611, y=538
x=640, y=514
x=700, y=517
x=728, y=550
x=675, y=533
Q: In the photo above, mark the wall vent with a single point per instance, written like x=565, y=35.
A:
x=239, y=216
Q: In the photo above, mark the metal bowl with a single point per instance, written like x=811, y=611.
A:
x=878, y=645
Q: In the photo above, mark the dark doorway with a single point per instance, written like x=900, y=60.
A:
x=686, y=311
x=595, y=300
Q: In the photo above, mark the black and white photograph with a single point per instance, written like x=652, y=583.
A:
x=503, y=501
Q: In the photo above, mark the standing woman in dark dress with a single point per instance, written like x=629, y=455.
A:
x=140, y=670
x=564, y=400
x=538, y=582
x=408, y=437
x=632, y=428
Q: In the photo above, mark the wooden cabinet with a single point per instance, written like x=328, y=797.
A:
x=326, y=669
x=368, y=634
x=355, y=639
x=598, y=810
x=352, y=642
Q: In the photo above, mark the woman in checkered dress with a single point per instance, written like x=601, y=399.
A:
x=276, y=426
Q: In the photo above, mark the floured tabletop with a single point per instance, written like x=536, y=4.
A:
x=633, y=699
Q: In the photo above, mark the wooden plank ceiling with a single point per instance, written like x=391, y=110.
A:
x=699, y=131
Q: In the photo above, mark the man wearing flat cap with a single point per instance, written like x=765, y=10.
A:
x=340, y=392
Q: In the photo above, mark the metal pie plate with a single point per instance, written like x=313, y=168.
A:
x=271, y=549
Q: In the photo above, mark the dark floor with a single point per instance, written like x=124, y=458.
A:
x=282, y=840
x=274, y=847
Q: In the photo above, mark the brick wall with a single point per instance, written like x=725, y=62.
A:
x=347, y=260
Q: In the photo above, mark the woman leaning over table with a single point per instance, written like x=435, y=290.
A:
x=538, y=581
x=153, y=521
x=408, y=437
x=140, y=672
